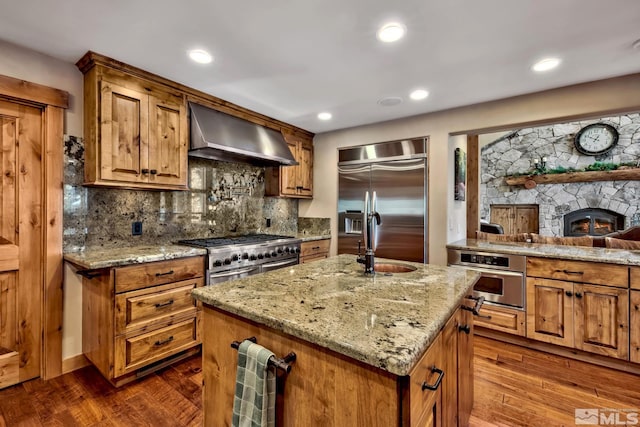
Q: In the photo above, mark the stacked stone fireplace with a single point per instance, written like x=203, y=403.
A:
x=516, y=152
x=592, y=222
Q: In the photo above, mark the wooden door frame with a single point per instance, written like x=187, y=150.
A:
x=52, y=103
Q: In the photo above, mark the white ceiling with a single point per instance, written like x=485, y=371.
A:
x=291, y=59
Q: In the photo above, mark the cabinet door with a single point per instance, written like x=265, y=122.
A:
x=503, y=215
x=634, y=326
x=289, y=174
x=465, y=367
x=602, y=320
x=124, y=131
x=450, y=366
x=305, y=168
x=526, y=219
x=550, y=311
x=167, y=142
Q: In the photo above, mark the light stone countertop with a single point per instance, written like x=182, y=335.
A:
x=312, y=237
x=384, y=321
x=576, y=253
x=91, y=259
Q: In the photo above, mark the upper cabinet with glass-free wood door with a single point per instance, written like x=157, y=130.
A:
x=135, y=131
x=293, y=181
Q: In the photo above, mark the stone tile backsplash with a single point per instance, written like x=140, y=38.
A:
x=516, y=153
x=224, y=199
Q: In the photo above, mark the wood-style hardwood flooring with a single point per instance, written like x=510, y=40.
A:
x=514, y=387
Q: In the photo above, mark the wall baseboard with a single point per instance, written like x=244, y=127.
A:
x=73, y=363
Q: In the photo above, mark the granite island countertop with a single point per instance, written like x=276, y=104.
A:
x=386, y=321
x=91, y=259
x=576, y=253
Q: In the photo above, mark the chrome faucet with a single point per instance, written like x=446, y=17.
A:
x=371, y=219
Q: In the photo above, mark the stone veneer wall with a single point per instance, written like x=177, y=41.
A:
x=224, y=199
x=515, y=154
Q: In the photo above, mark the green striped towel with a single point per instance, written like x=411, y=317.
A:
x=254, y=404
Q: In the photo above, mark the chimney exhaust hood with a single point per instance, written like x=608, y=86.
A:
x=219, y=136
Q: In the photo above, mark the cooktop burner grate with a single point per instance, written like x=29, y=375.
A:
x=234, y=240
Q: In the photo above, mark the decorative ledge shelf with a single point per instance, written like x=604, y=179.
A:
x=530, y=181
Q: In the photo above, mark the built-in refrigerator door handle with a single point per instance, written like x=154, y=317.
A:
x=365, y=217
x=375, y=221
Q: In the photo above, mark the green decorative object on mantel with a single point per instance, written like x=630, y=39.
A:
x=598, y=171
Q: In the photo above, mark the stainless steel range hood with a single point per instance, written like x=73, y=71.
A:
x=219, y=136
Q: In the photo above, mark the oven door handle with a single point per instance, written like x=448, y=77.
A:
x=231, y=273
x=291, y=261
x=494, y=273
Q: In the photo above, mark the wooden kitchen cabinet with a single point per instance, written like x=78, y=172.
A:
x=503, y=319
x=634, y=326
x=141, y=317
x=585, y=316
x=293, y=181
x=314, y=250
x=516, y=218
x=135, y=131
x=349, y=392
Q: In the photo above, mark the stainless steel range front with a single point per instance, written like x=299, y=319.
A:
x=240, y=256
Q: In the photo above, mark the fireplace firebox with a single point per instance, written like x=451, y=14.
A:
x=592, y=222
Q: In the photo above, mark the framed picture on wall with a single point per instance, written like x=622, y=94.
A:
x=460, y=175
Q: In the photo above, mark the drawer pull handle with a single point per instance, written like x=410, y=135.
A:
x=163, y=342
x=427, y=386
x=464, y=328
x=570, y=272
x=165, y=274
x=315, y=248
x=164, y=304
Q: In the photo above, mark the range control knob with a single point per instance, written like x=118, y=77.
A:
x=245, y=255
x=297, y=250
x=235, y=257
x=227, y=261
x=252, y=258
x=217, y=263
x=287, y=250
x=267, y=255
x=280, y=250
x=274, y=254
x=260, y=256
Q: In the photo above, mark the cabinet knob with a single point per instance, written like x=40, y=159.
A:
x=145, y=171
x=153, y=171
x=464, y=328
x=578, y=295
x=569, y=293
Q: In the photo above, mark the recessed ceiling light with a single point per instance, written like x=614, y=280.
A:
x=390, y=101
x=200, y=56
x=324, y=116
x=418, y=94
x=391, y=32
x=546, y=64
x=636, y=44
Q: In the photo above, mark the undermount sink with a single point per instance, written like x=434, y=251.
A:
x=388, y=267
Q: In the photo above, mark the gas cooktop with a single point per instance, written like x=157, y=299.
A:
x=248, y=239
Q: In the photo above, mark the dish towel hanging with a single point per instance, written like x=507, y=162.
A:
x=254, y=404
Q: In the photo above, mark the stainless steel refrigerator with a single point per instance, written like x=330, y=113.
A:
x=397, y=172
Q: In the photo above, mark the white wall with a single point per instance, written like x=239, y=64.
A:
x=35, y=67
x=586, y=100
x=456, y=210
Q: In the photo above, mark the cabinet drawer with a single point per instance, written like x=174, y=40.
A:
x=9, y=362
x=634, y=277
x=152, y=306
x=316, y=247
x=421, y=401
x=502, y=319
x=157, y=273
x=579, y=271
x=136, y=351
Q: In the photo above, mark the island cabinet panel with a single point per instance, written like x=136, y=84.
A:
x=139, y=318
x=322, y=389
x=579, y=271
x=634, y=327
x=602, y=320
x=325, y=388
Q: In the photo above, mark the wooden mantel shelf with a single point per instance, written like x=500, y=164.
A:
x=530, y=181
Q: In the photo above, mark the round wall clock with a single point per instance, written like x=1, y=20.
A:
x=596, y=139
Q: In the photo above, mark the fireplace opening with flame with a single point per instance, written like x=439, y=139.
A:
x=592, y=222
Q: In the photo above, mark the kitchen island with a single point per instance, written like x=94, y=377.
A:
x=366, y=346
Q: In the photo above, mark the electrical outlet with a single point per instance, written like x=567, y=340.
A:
x=136, y=228
x=268, y=222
